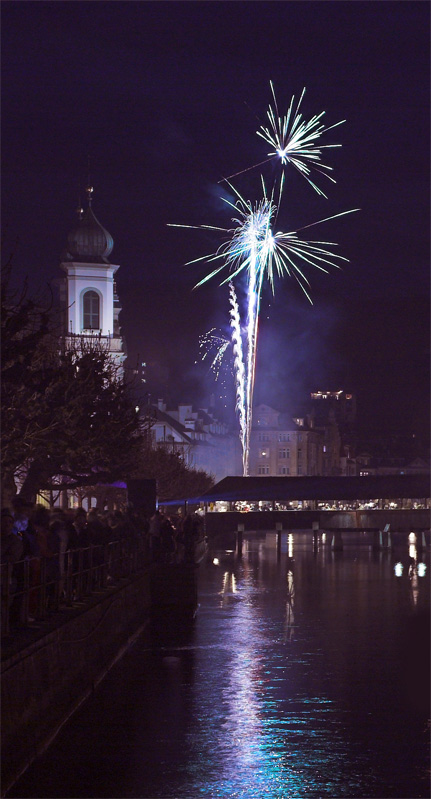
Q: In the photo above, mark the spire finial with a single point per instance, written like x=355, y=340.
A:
x=89, y=188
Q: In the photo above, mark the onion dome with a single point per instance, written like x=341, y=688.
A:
x=88, y=241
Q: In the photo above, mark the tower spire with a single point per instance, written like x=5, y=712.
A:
x=89, y=188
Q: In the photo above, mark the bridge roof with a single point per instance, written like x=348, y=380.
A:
x=253, y=489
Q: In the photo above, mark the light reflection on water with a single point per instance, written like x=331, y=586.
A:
x=276, y=726
x=303, y=675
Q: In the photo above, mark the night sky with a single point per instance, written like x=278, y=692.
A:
x=166, y=99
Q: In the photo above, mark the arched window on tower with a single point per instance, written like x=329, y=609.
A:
x=91, y=311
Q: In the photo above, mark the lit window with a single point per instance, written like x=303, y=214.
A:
x=91, y=311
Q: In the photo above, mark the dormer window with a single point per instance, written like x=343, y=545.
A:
x=91, y=305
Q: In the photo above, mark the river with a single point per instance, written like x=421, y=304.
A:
x=305, y=673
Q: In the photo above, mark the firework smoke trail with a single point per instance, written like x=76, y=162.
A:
x=235, y=323
x=252, y=246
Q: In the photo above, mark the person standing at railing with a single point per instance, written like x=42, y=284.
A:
x=167, y=537
x=154, y=531
x=78, y=536
x=11, y=552
x=48, y=543
x=60, y=529
x=28, y=572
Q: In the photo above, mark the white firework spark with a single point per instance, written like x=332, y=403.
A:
x=295, y=141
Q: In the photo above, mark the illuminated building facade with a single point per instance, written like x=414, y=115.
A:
x=282, y=446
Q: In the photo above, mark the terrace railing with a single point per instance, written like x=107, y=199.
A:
x=33, y=588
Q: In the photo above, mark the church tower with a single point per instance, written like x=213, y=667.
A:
x=92, y=305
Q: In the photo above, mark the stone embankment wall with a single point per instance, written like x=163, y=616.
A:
x=45, y=681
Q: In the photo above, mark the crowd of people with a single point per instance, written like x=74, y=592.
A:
x=35, y=533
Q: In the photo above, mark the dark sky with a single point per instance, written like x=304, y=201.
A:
x=166, y=99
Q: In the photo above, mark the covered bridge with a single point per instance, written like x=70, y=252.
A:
x=320, y=489
x=402, y=501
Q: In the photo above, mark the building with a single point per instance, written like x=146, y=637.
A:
x=341, y=403
x=88, y=292
x=202, y=440
x=280, y=445
x=90, y=310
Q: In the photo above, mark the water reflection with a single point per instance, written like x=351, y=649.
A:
x=304, y=675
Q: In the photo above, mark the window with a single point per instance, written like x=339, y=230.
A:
x=284, y=453
x=300, y=437
x=263, y=469
x=91, y=311
x=284, y=436
x=299, y=471
x=263, y=436
x=283, y=470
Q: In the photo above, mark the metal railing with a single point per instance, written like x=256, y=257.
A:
x=33, y=588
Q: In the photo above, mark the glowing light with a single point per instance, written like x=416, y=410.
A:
x=295, y=141
x=216, y=561
x=214, y=346
x=398, y=568
x=254, y=248
x=422, y=569
x=290, y=545
x=251, y=246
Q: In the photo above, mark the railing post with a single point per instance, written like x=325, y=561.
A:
x=6, y=600
x=79, y=575
x=89, y=581
x=69, y=577
x=42, y=589
x=26, y=592
x=106, y=555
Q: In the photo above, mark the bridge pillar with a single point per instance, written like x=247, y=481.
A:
x=278, y=528
x=315, y=527
x=239, y=537
x=377, y=544
x=337, y=542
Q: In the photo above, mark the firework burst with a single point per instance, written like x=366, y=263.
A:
x=295, y=141
x=253, y=248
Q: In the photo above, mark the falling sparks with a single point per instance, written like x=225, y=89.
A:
x=295, y=141
x=252, y=247
x=213, y=346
